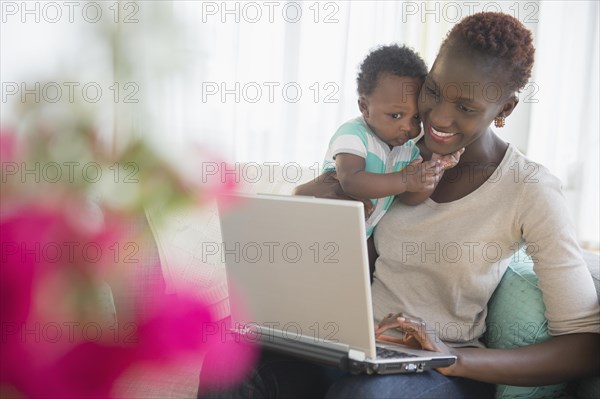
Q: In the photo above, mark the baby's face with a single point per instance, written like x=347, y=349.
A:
x=391, y=109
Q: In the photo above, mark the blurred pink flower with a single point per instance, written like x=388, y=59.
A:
x=38, y=290
x=8, y=145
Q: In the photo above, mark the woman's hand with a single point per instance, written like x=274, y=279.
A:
x=327, y=185
x=416, y=335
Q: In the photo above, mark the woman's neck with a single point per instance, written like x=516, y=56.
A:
x=489, y=148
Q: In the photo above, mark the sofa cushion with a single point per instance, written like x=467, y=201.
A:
x=592, y=260
x=516, y=318
x=589, y=388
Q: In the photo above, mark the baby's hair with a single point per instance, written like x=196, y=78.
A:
x=399, y=61
x=500, y=37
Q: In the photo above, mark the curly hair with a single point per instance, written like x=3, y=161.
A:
x=399, y=61
x=500, y=37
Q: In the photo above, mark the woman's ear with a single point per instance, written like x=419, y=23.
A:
x=509, y=106
x=363, y=106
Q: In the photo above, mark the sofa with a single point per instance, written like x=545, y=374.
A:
x=180, y=254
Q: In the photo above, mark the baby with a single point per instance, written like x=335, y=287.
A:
x=374, y=155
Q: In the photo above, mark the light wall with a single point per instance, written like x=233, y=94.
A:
x=174, y=59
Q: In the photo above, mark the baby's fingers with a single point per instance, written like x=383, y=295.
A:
x=417, y=161
x=451, y=160
x=433, y=166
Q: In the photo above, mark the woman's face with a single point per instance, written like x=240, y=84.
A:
x=459, y=100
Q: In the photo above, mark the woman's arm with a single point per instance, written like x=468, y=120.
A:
x=327, y=185
x=372, y=252
x=569, y=296
x=559, y=359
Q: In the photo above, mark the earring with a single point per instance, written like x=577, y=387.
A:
x=499, y=121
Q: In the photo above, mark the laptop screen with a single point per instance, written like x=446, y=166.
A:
x=298, y=266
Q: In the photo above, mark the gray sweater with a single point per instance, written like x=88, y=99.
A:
x=442, y=261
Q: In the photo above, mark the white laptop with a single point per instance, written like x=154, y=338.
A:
x=298, y=277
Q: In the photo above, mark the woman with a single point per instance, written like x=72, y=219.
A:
x=443, y=271
x=493, y=196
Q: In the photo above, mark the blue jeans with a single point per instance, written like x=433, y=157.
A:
x=281, y=376
x=426, y=385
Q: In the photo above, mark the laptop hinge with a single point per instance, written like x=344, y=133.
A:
x=359, y=356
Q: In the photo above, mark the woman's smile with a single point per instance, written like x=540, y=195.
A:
x=439, y=136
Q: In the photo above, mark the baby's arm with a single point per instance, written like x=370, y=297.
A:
x=358, y=183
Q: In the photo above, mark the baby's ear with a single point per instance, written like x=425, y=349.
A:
x=363, y=106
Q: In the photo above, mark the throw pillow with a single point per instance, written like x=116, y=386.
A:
x=516, y=318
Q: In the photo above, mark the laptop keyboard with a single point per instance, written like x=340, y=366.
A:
x=384, y=353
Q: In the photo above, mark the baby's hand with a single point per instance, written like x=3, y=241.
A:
x=448, y=161
x=422, y=176
x=417, y=160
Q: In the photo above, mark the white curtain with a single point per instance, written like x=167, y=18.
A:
x=277, y=90
x=564, y=131
x=271, y=81
x=273, y=85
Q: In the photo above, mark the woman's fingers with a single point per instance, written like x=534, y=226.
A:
x=415, y=336
x=411, y=342
x=413, y=327
x=387, y=322
x=416, y=329
x=394, y=340
x=369, y=208
x=396, y=320
x=427, y=340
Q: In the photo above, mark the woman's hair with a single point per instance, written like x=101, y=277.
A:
x=399, y=61
x=500, y=38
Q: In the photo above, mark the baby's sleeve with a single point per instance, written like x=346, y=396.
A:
x=347, y=140
x=415, y=152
